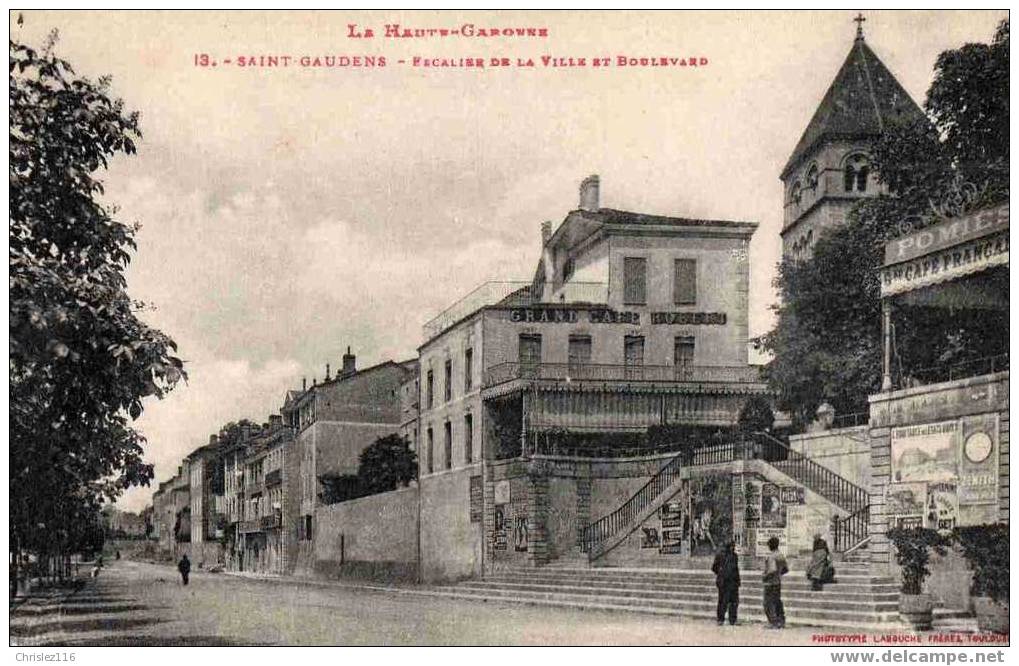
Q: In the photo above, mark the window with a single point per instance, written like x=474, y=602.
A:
x=684, y=285
x=812, y=177
x=430, y=451
x=429, y=390
x=468, y=439
x=468, y=370
x=307, y=528
x=448, y=386
x=633, y=356
x=579, y=353
x=634, y=280
x=529, y=352
x=448, y=444
x=794, y=194
x=855, y=173
x=684, y=355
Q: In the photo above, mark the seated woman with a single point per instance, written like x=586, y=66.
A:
x=821, y=570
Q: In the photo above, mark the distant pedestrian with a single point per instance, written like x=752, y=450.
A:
x=775, y=567
x=821, y=569
x=726, y=568
x=184, y=567
x=117, y=555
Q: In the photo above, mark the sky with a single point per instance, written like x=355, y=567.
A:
x=290, y=212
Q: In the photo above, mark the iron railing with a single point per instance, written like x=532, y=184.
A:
x=554, y=448
x=838, y=490
x=851, y=530
x=845, y=494
x=597, y=532
x=567, y=372
x=488, y=293
x=946, y=373
x=851, y=420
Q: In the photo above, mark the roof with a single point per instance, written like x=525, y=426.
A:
x=613, y=216
x=862, y=100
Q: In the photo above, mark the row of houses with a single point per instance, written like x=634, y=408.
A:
x=246, y=500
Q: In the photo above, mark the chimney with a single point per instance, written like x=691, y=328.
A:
x=265, y=426
x=327, y=372
x=589, y=188
x=275, y=420
x=348, y=364
x=546, y=232
x=212, y=440
x=304, y=383
x=245, y=431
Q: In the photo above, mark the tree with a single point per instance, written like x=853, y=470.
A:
x=341, y=487
x=755, y=415
x=827, y=341
x=81, y=359
x=387, y=464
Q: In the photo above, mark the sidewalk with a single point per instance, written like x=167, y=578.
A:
x=32, y=611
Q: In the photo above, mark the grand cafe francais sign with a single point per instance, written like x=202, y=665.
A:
x=553, y=315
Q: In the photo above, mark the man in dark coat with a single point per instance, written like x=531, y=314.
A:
x=726, y=569
x=184, y=567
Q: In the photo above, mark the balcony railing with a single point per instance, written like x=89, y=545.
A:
x=491, y=293
x=946, y=373
x=568, y=372
x=488, y=293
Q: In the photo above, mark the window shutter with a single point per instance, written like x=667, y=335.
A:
x=685, y=282
x=634, y=280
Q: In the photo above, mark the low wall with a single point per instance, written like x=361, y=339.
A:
x=371, y=537
x=845, y=451
x=451, y=544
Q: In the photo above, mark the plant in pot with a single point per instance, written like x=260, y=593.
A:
x=913, y=551
x=985, y=548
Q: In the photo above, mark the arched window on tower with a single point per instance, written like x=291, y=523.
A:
x=794, y=193
x=812, y=176
x=861, y=178
x=855, y=172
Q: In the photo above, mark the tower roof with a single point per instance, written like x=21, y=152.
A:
x=862, y=100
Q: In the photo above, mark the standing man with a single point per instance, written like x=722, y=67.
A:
x=726, y=568
x=774, y=568
x=184, y=567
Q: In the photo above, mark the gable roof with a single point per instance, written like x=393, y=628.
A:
x=863, y=99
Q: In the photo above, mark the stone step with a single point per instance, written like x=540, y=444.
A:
x=849, y=593
x=820, y=600
x=792, y=577
x=748, y=611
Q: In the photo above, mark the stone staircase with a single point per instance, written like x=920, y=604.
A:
x=858, y=600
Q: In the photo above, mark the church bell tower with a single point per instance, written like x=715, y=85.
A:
x=830, y=167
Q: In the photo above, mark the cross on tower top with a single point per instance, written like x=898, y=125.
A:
x=859, y=25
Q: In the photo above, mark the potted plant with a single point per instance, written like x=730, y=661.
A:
x=985, y=548
x=912, y=552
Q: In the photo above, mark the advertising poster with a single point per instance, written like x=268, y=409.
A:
x=925, y=452
x=671, y=514
x=772, y=508
x=672, y=542
x=906, y=501
x=978, y=461
x=942, y=511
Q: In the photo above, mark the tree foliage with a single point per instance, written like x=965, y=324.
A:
x=81, y=359
x=827, y=341
x=387, y=464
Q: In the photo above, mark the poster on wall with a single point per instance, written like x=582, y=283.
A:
x=763, y=534
x=942, y=512
x=803, y=523
x=476, y=499
x=499, y=541
x=752, y=502
x=520, y=534
x=649, y=537
x=502, y=492
x=906, y=499
x=792, y=495
x=672, y=542
x=671, y=514
x=772, y=509
x=710, y=513
x=978, y=461
x=924, y=452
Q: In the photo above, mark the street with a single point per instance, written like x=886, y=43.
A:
x=136, y=603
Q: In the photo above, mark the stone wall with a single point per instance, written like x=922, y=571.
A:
x=373, y=536
x=451, y=544
x=845, y=451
